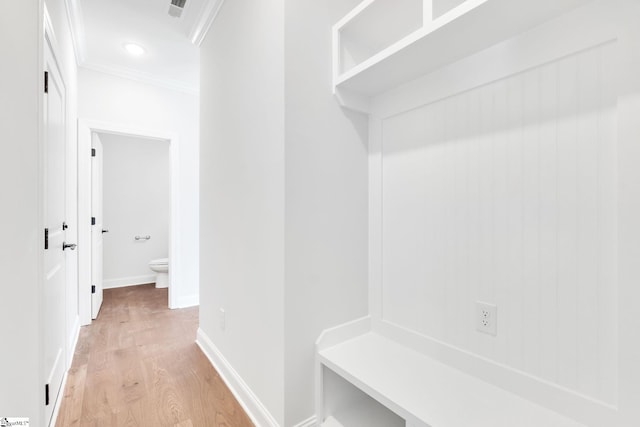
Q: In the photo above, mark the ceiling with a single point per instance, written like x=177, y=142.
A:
x=103, y=27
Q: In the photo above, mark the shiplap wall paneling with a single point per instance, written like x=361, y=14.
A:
x=506, y=194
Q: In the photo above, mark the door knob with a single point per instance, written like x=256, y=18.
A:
x=105, y=231
x=71, y=246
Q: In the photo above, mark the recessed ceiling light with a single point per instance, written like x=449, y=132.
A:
x=134, y=49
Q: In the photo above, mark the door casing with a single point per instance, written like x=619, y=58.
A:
x=85, y=130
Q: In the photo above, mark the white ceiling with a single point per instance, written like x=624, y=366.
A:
x=102, y=27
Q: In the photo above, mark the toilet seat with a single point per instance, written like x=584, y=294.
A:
x=159, y=262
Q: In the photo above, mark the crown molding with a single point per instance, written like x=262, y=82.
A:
x=141, y=77
x=76, y=23
x=208, y=14
x=78, y=36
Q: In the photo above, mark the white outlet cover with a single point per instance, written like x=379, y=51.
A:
x=486, y=318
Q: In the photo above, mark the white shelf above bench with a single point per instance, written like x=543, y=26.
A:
x=382, y=44
x=422, y=391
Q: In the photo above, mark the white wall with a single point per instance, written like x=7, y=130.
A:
x=242, y=193
x=21, y=41
x=283, y=207
x=326, y=199
x=137, y=192
x=506, y=185
x=126, y=103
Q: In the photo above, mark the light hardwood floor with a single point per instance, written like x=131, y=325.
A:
x=138, y=365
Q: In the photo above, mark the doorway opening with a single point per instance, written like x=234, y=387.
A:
x=133, y=196
x=88, y=133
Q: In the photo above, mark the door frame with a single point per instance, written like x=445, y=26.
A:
x=85, y=129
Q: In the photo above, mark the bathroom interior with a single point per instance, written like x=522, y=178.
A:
x=136, y=200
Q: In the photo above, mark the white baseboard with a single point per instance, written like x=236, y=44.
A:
x=188, y=301
x=309, y=422
x=258, y=413
x=129, y=281
x=337, y=334
x=75, y=334
x=56, y=408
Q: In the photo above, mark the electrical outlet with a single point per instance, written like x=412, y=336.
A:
x=486, y=318
x=223, y=319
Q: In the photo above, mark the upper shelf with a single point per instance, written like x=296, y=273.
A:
x=382, y=44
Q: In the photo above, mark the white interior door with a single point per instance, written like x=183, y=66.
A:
x=54, y=297
x=97, y=225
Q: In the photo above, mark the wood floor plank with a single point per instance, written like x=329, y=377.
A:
x=138, y=365
x=138, y=414
x=71, y=407
x=162, y=390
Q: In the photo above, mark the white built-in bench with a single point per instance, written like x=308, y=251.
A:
x=363, y=377
x=368, y=380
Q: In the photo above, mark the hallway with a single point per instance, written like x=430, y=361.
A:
x=138, y=365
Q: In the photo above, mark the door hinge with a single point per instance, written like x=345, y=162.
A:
x=46, y=82
x=46, y=394
x=93, y=220
x=93, y=289
x=93, y=152
x=46, y=238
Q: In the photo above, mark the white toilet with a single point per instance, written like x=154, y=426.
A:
x=161, y=267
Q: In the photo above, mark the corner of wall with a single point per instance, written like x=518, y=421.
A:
x=252, y=405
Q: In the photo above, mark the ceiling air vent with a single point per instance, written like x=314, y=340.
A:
x=176, y=7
